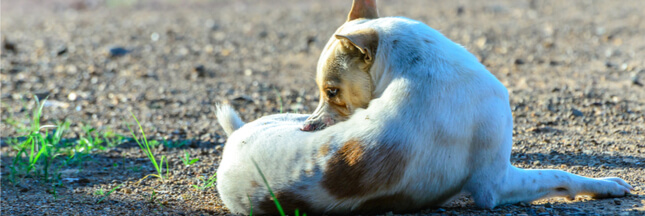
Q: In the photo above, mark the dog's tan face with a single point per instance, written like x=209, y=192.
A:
x=342, y=74
x=343, y=78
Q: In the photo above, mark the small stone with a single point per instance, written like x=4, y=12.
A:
x=248, y=72
x=636, y=80
x=481, y=42
x=117, y=51
x=9, y=46
x=460, y=10
x=519, y=61
x=200, y=70
x=263, y=34
x=72, y=96
x=576, y=113
x=536, y=163
x=554, y=63
x=22, y=190
x=617, y=201
x=61, y=51
x=154, y=36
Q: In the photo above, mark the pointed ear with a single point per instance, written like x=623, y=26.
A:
x=363, y=9
x=365, y=40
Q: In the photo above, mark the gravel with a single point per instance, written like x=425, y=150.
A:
x=573, y=70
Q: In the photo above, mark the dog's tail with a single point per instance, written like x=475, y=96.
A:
x=228, y=119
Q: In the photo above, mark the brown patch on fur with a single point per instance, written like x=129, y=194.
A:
x=394, y=202
x=323, y=150
x=289, y=202
x=254, y=184
x=355, y=171
x=351, y=152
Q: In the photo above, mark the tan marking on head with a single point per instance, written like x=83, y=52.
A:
x=354, y=170
x=344, y=70
x=289, y=202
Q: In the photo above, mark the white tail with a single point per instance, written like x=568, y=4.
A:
x=228, y=119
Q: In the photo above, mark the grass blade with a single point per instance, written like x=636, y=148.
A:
x=145, y=147
x=275, y=199
x=250, y=203
x=108, y=193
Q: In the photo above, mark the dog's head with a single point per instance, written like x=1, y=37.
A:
x=342, y=73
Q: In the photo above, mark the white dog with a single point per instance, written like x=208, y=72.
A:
x=411, y=120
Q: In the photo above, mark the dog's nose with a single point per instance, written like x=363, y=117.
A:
x=312, y=126
x=308, y=127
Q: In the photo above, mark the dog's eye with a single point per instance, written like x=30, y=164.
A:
x=332, y=92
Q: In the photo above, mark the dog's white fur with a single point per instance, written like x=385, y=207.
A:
x=437, y=127
x=227, y=118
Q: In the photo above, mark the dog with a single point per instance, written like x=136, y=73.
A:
x=407, y=120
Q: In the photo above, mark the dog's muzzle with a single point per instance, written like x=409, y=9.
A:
x=314, y=123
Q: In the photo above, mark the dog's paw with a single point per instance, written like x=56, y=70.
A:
x=612, y=187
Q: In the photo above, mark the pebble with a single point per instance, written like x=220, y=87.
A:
x=617, y=201
x=200, y=70
x=576, y=113
x=9, y=46
x=72, y=96
x=519, y=61
x=61, y=51
x=635, y=79
x=117, y=51
x=154, y=36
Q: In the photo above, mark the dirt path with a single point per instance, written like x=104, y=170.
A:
x=575, y=71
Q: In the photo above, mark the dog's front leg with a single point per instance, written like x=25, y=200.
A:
x=520, y=185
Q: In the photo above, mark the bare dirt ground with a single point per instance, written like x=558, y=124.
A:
x=574, y=69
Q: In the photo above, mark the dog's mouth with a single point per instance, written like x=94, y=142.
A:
x=312, y=127
x=316, y=124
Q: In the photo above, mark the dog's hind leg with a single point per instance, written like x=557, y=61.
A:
x=520, y=185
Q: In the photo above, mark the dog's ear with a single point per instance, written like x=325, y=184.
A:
x=363, y=9
x=365, y=40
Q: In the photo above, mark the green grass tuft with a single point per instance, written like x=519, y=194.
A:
x=145, y=147
x=206, y=183
x=186, y=159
